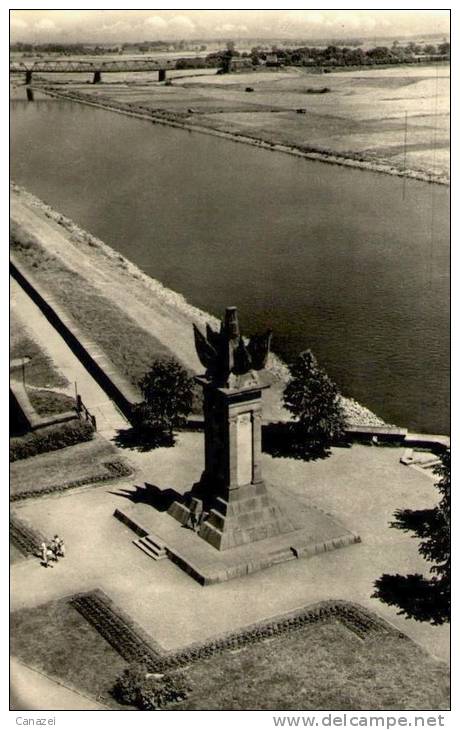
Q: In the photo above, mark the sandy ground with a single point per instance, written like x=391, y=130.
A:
x=361, y=487
x=393, y=118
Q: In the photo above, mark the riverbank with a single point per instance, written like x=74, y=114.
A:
x=165, y=314
x=353, y=159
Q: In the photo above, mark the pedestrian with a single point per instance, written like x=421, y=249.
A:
x=44, y=554
x=61, y=546
x=47, y=555
x=54, y=547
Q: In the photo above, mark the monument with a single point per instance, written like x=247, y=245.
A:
x=233, y=504
x=231, y=522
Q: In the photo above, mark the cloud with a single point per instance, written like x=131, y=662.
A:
x=182, y=23
x=18, y=23
x=156, y=22
x=45, y=24
x=230, y=28
x=116, y=29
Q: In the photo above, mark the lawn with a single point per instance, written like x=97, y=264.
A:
x=82, y=461
x=129, y=347
x=55, y=639
x=40, y=371
x=320, y=667
x=49, y=402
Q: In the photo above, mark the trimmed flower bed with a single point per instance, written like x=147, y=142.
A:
x=134, y=645
x=50, y=439
x=115, y=470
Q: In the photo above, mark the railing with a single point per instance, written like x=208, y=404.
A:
x=83, y=412
x=69, y=66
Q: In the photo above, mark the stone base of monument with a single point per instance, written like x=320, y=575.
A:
x=309, y=532
x=238, y=517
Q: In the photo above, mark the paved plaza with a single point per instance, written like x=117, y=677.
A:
x=361, y=487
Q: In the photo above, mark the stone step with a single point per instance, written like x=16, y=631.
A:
x=408, y=457
x=282, y=556
x=429, y=464
x=151, y=547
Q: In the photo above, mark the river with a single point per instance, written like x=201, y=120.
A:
x=349, y=263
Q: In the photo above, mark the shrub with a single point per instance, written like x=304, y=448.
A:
x=147, y=691
x=50, y=439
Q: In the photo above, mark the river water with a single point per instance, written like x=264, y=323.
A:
x=350, y=263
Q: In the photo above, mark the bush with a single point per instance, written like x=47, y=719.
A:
x=50, y=439
x=136, y=686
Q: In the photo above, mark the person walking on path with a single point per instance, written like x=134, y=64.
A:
x=46, y=554
x=60, y=547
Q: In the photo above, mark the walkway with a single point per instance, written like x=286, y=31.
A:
x=175, y=609
x=109, y=419
x=32, y=690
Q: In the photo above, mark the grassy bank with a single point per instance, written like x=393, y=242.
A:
x=40, y=370
x=130, y=348
x=162, y=318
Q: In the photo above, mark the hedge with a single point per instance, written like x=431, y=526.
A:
x=115, y=470
x=131, y=642
x=50, y=439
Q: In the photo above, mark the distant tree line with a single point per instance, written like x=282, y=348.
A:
x=66, y=49
x=335, y=55
x=314, y=56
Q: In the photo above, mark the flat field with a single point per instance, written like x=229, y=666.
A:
x=398, y=116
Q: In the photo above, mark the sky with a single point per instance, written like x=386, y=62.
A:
x=105, y=26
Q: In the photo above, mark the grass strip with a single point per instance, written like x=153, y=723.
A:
x=129, y=347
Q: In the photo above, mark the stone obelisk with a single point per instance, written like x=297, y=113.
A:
x=237, y=508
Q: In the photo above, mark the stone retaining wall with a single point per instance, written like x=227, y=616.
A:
x=92, y=357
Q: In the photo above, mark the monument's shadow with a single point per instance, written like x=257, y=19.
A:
x=142, y=439
x=283, y=440
x=150, y=494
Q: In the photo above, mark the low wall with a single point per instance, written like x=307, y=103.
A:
x=29, y=416
x=88, y=352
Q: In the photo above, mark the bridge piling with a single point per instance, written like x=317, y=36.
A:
x=97, y=78
x=28, y=76
x=161, y=74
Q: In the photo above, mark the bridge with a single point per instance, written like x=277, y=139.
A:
x=97, y=68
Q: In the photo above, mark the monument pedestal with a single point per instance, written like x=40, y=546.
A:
x=236, y=507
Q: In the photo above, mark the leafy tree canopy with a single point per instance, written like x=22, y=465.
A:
x=418, y=597
x=313, y=398
x=168, y=396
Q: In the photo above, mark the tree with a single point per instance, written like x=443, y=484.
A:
x=227, y=57
x=420, y=598
x=168, y=397
x=313, y=398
